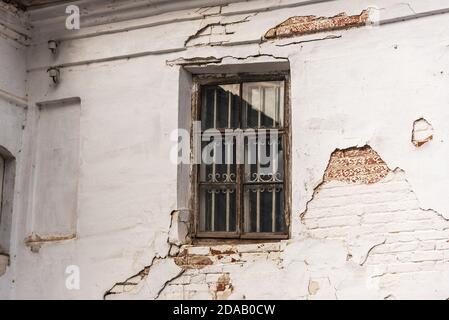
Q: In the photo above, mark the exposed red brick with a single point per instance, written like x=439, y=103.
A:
x=223, y=288
x=301, y=25
x=224, y=282
x=222, y=252
x=356, y=165
x=193, y=262
x=422, y=132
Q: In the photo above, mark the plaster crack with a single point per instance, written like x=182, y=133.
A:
x=168, y=282
x=330, y=37
x=204, y=61
x=202, y=30
x=370, y=250
x=409, y=6
x=142, y=274
x=135, y=280
x=259, y=55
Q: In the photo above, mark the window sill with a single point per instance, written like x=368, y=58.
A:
x=206, y=239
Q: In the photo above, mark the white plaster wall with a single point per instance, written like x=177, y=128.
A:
x=12, y=120
x=123, y=210
x=365, y=87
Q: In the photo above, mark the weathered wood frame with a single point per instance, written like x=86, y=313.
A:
x=7, y=199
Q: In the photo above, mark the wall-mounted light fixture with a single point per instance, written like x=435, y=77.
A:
x=54, y=74
x=53, y=46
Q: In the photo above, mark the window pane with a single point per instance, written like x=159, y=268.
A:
x=263, y=104
x=264, y=158
x=264, y=208
x=218, y=209
x=219, y=159
x=219, y=108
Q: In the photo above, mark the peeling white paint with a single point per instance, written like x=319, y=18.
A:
x=350, y=88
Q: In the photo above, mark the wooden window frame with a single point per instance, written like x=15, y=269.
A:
x=6, y=199
x=219, y=79
x=2, y=183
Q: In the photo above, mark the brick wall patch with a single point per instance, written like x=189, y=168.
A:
x=302, y=25
x=356, y=165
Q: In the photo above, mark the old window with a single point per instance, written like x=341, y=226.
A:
x=7, y=177
x=241, y=179
x=2, y=175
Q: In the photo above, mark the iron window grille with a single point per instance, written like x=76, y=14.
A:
x=242, y=183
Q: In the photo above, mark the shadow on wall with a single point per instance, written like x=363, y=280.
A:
x=7, y=174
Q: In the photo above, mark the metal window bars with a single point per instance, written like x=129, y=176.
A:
x=248, y=199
